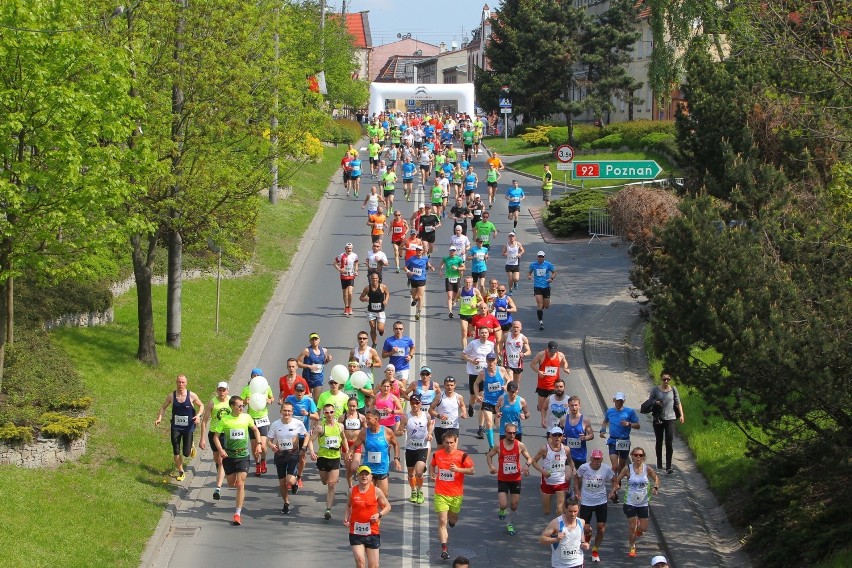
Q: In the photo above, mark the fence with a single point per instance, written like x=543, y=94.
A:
x=599, y=224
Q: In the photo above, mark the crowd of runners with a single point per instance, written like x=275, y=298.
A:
x=370, y=418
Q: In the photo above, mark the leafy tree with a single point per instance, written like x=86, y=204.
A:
x=64, y=117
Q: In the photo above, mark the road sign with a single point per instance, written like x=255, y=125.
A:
x=505, y=102
x=506, y=110
x=617, y=169
x=565, y=166
x=565, y=153
x=410, y=103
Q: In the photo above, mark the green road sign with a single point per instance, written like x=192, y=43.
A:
x=617, y=169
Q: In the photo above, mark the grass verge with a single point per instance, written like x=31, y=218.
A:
x=102, y=510
x=534, y=166
x=513, y=146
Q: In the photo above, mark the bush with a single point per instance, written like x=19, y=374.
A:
x=340, y=131
x=15, y=435
x=570, y=215
x=584, y=134
x=57, y=425
x=612, y=141
x=661, y=142
x=537, y=136
x=36, y=303
x=633, y=132
x=524, y=128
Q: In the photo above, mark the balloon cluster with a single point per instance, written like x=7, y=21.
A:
x=258, y=387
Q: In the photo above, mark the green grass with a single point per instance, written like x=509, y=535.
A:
x=840, y=559
x=534, y=166
x=718, y=445
x=102, y=510
x=513, y=146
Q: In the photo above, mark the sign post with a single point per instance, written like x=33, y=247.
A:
x=506, y=109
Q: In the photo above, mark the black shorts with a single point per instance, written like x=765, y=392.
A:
x=489, y=407
x=543, y=292
x=374, y=160
x=441, y=432
x=371, y=541
x=468, y=147
x=418, y=283
x=344, y=284
x=492, y=184
x=469, y=192
x=234, y=465
x=544, y=393
x=418, y=145
x=426, y=169
x=375, y=239
x=451, y=286
x=514, y=208
x=347, y=176
x=478, y=275
x=328, y=464
x=631, y=511
x=379, y=476
x=210, y=437
x=287, y=463
x=600, y=512
x=511, y=487
x=428, y=237
x=414, y=456
x=513, y=268
x=262, y=429
x=407, y=180
x=355, y=178
x=387, y=192
x=468, y=319
x=506, y=326
x=471, y=380
x=181, y=442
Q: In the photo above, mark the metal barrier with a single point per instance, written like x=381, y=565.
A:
x=599, y=224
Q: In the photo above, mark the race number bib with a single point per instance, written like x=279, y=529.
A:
x=353, y=424
x=361, y=529
x=331, y=442
x=383, y=413
x=550, y=371
x=541, y=272
x=348, y=271
x=445, y=423
x=286, y=444
x=317, y=368
x=416, y=444
x=374, y=457
x=417, y=271
x=453, y=279
x=502, y=316
x=495, y=387
x=260, y=422
x=376, y=306
x=480, y=256
x=429, y=228
x=557, y=467
x=399, y=351
x=574, y=443
x=593, y=485
x=514, y=359
x=510, y=468
x=373, y=263
x=236, y=434
x=480, y=365
x=622, y=445
x=467, y=300
x=181, y=420
x=446, y=475
x=398, y=230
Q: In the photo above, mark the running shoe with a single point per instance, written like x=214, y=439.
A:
x=540, y=325
x=299, y=481
x=469, y=410
x=413, y=303
x=192, y=452
x=510, y=528
x=408, y=197
x=263, y=466
x=420, y=497
x=501, y=514
x=632, y=553
x=181, y=476
x=397, y=270
x=257, y=469
x=294, y=488
x=445, y=555
x=217, y=494
x=451, y=315
x=286, y=509
x=356, y=194
x=480, y=433
x=413, y=498
x=237, y=520
x=669, y=471
x=595, y=556
x=327, y=515
x=417, y=315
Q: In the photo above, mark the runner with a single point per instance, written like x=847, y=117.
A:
x=285, y=439
x=373, y=149
x=484, y=318
x=458, y=176
x=478, y=255
x=335, y=397
x=504, y=307
x=447, y=409
x=360, y=394
x=371, y=202
x=346, y=263
x=418, y=426
x=452, y=267
x=287, y=383
x=467, y=138
x=233, y=450
x=377, y=223
x=424, y=387
x=491, y=385
x=447, y=469
x=620, y=420
x=211, y=421
x=187, y=409
x=460, y=241
x=515, y=195
x=408, y=170
x=471, y=180
x=304, y=410
x=429, y=223
x=554, y=480
x=261, y=421
x=469, y=298
x=547, y=188
x=475, y=357
x=556, y=407
x=366, y=356
x=512, y=251
x=495, y=164
x=460, y=214
x=545, y=273
x=577, y=430
x=312, y=360
x=353, y=423
x=367, y=505
x=509, y=473
x=347, y=170
x=637, y=497
x=511, y=409
x=477, y=208
x=426, y=162
x=565, y=536
x=399, y=351
x=485, y=230
x=516, y=346
x=399, y=229
x=389, y=187
x=355, y=171
x=378, y=442
x=330, y=438
x=590, y=485
x=376, y=295
x=417, y=268
x=549, y=364
x=388, y=403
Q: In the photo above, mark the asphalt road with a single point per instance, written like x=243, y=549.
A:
x=588, y=276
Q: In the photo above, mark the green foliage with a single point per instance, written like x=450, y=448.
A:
x=15, y=435
x=37, y=303
x=614, y=141
x=570, y=215
x=584, y=134
x=341, y=131
x=58, y=425
x=536, y=136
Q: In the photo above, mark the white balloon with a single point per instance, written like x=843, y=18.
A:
x=259, y=385
x=257, y=401
x=340, y=373
x=359, y=379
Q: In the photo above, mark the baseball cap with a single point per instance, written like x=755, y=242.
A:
x=349, y=245
x=256, y=372
x=314, y=336
x=418, y=247
x=414, y=398
x=222, y=385
x=552, y=345
x=424, y=370
x=540, y=253
x=364, y=468
x=333, y=380
x=490, y=357
x=512, y=386
x=299, y=387
x=512, y=233
x=659, y=560
x=619, y=396
x=453, y=248
x=421, y=206
x=390, y=367
x=556, y=430
x=597, y=454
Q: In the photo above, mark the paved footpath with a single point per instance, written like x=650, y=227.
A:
x=597, y=325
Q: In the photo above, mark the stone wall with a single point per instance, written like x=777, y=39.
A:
x=44, y=453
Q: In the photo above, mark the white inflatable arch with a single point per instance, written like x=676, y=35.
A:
x=462, y=92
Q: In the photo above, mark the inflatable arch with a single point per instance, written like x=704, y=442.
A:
x=463, y=92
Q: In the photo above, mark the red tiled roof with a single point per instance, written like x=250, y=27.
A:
x=358, y=27
x=644, y=10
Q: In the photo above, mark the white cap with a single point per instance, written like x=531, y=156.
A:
x=222, y=385
x=453, y=248
x=619, y=396
x=349, y=245
x=555, y=430
x=421, y=206
x=540, y=253
x=659, y=560
x=390, y=367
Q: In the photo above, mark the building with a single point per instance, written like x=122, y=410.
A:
x=475, y=48
x=358, y=26
x=406, y=46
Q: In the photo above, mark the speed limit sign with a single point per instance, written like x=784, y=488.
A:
x=565, y=153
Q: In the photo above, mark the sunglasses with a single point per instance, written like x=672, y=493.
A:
x=329, y=413
x=638, y=455
x=362, y=338
x=239, y=406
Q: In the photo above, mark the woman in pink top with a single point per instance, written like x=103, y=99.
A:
x=388, y=405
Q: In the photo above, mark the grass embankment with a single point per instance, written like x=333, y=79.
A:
x=513, y=146
x=102, y=510
x=534, y=166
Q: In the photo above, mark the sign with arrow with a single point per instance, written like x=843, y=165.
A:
x=617, y=169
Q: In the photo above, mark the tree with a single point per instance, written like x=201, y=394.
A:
x=64, y=117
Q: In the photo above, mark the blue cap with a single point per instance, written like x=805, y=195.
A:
x=256, y=372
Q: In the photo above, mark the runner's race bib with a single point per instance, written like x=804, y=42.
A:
x=446, y=475
x=622, y=445
x=361, y=529
x=374, y=457
x=181, y=420
x=260, y=422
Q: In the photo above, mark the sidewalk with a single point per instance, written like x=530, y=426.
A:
x=693, y=528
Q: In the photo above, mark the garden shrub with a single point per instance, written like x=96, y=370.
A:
x=570, y=214
x=15, y=435
x=537, y=136
x=58, y=425
x=36, y=303
x=613, y=141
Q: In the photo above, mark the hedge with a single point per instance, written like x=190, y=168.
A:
x=570, y=214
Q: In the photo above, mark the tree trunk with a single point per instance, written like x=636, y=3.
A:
x=142, y=271
x=173, y=295
x=2, y=335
